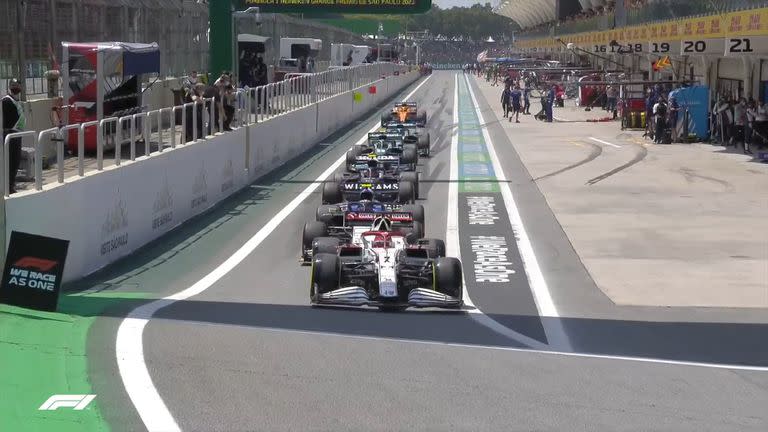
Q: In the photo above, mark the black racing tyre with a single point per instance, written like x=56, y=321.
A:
x=421, y=117
x=351, y=159
x=414, y=233
x=325, y=245
x=325, y=212
x=338, y=177
x=417, y=210
x=325, y=274
x=406, y=194
x=385, y=118
x=448, y=277
x=331, y=193
x=424, y=143
x=313, y=230
x=410, y=155
x=436, y=247
x=412, y=177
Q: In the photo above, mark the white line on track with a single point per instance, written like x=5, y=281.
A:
x=513, y=349
x=605, y=142
x=452, y=244
x=129, y=348
x=551, y=322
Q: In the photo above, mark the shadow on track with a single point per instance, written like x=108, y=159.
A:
x=720, y=343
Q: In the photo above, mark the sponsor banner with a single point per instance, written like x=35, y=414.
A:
x=33, y=271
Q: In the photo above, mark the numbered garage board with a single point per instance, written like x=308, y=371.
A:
x=733, y=34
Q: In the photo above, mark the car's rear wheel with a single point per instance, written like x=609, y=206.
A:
x=385, y=118
x=413, y=177
x=323, y=245
x=351, y=158
x=325, y=275
x=448, y=277
x=325, y=212
x=410, y=156
x=331, y=193
x=424, y=143
x=414, y=233
x=313, y=230
x=406, y=193
x=436, y=247
x=421, y=117
x=417, y=210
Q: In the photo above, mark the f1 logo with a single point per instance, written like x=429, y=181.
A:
x=76, y=402
x=41, y=264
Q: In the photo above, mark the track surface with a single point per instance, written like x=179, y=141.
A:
x=249, y=353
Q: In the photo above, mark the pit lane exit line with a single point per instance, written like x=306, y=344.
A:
x=129, y=349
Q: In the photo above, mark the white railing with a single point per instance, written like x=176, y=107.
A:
x=252, y=105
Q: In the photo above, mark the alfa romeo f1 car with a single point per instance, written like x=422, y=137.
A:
x=384, y=269
x=343, y=223
x=410, y=134
x=405, y=112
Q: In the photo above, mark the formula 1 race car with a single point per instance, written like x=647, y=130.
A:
x=376, y=168
x=382, y=268
x=405, y=112
x=388, y=149
x=384, y=188
x=343, y=223
x=410, y=134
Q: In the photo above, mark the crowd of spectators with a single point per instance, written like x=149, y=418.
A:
x=456, y=51
x=584, y=15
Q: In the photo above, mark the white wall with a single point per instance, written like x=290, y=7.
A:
x=108, y=214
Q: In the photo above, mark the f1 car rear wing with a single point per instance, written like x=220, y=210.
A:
x=398, y=217
x=383, y=136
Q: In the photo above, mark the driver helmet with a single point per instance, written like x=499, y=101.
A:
x=381, y=223
x=366, y=194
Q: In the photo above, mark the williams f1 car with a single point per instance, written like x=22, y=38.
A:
x=405, y=112
x=377, y=170
x=385, y=188
x=382, y=268
x=343, y=223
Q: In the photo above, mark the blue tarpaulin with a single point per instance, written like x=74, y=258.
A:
x=695, y=100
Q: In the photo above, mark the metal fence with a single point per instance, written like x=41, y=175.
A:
x=143, y=134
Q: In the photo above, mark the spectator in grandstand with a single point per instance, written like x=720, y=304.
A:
x=14, y=120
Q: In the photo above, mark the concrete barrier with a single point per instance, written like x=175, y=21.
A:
x=108, y=214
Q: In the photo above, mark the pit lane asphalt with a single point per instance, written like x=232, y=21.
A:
x=250, y=354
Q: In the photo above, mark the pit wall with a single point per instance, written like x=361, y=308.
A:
x=109, y=214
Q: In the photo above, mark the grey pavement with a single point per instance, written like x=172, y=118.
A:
x=680, y=225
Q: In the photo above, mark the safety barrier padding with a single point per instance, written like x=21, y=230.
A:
x=108, y=214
